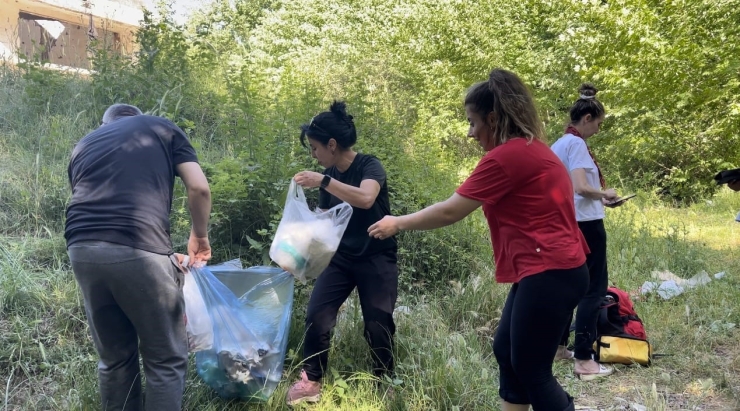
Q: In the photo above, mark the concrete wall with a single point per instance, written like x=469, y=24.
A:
x=20, y=30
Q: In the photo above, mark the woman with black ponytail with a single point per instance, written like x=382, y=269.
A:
x=361, y=261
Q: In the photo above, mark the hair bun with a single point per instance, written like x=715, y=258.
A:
x=587, y=90
x=339, y=108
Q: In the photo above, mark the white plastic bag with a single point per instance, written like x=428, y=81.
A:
x=199, y=326
x=305, y=240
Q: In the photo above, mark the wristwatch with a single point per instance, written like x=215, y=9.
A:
x=325, y=181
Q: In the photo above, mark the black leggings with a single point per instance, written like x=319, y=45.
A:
x=376, y=279
x=533, y=320
x=587, y=313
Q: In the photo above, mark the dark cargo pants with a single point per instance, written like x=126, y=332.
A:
x=134, y=304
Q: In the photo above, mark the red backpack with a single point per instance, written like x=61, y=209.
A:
x=618, y=316
x=620, y=333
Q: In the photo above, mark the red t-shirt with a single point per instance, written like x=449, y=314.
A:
x=527, y=198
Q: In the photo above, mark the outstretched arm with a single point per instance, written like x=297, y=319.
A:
x=438, y=215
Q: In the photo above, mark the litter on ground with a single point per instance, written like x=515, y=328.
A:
x=669, y=285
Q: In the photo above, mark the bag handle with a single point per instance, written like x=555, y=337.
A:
x=296, y=191
x=342, y=212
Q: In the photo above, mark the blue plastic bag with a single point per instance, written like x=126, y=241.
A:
x=250, y=332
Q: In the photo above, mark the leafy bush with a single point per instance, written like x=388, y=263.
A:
x=240, y=78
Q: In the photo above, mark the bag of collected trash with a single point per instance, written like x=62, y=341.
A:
x=305, y=240
x=249, y=332
x=199, y=327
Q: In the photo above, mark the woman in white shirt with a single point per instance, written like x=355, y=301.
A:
x=586, y=116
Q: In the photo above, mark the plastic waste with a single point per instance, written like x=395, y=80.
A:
x=199, y=326
x=305, y=240
x=249, y=332
x=671, y=285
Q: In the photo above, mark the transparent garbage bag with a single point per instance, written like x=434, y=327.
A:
x=249, y=333
x=306, y=240
x=199, y=326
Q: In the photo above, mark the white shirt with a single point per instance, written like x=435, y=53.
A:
x=573, y=152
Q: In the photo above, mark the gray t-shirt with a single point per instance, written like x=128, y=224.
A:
x=573, y=152
x=122, y=177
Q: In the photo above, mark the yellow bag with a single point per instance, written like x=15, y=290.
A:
x=622, y=350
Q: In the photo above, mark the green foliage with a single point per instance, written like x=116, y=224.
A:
x=443, y=351
x=247, y=203
x=668, y=72
x=241, y=77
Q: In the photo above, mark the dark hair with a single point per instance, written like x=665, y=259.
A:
x=117, y=111
x=586, y=104
x=515, y=114
x=335, y=123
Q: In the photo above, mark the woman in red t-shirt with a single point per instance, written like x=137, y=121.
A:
x=527, y=197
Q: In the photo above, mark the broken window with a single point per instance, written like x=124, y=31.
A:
x=59, y=42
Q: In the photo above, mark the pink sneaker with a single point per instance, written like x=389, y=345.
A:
x=304, y=390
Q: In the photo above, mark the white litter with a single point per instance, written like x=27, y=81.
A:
x=671, y=285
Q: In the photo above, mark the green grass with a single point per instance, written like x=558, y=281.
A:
x=444, y=354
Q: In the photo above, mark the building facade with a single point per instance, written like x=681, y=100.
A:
x=63, y=33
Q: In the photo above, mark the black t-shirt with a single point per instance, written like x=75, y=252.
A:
x=122, y=177
x=356, y=242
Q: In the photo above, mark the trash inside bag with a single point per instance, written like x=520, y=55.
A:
x=249, y=332
x=305, y=240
